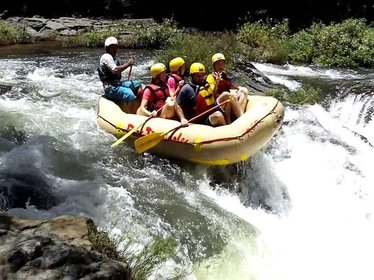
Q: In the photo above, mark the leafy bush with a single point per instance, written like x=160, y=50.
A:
x=157, y=36
x=346, y=44
x=91, y=39
x=266, y=40
x=302, y=45
x=308, y=95
x=199, y=47
x=8, y=34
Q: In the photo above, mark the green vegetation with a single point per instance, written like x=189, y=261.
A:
x=199, y=47
x=101, y=242
x=10, y=35
x=300, y=96
x=153, y=254
x=347, y=44
x=157, y=36
x=96, y=38
x=140, y=265
x=265, y=41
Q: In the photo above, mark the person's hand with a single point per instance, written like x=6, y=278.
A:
x=184, y=122
x=131, y=62
x=181, y=83
x=169, y=101
x=153, y=114
x=223, y=75
x=216, y=76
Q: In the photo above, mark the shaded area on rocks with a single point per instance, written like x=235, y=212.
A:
x=19, y=189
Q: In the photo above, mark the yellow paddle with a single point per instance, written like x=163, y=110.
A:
x=146, y=142
x=120, y=140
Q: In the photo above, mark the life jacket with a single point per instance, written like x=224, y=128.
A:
x=176, y=78
x=224, y=84
x=204, y=98
x=107, y=76
x=160, y=93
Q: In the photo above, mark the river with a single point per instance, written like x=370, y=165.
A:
x=301, y=208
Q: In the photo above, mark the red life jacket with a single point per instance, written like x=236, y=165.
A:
x=159, y=96
x=223, y=85
x=176, y=78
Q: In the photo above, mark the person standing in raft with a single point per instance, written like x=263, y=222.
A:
x=197, y=97
x=175, y=78
x=156, y=96
x=110, y=73
x=220, y=82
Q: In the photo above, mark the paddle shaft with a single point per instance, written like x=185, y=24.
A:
x=199, y=116
x=148, y=141
x=119, y=141
x=128, y=77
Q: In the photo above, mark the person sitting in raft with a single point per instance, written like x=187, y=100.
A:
x=156, y=95
x=110, y=73
x=196, y=97
x=175, y=81
x=220, y=82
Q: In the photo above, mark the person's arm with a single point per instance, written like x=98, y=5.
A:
x=120, y=68
x=143, y=108
x=213, y=80
x=180, y=114
x=179, y=87
x=143, y=105
x=172, y=86
x=108, y=61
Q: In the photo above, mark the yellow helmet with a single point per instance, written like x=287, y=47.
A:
x=175, y=63
x=197, y=68
x=157, y=69
x=217, y=56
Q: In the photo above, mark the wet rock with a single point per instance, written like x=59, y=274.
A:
x=257, y=82
x=55, y=249
x=42, y=29
x=19, y=189
x=5, y=88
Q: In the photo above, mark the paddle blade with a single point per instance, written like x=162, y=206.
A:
x=119, y=141
x=146, y=142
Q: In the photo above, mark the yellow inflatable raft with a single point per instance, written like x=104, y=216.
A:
x=200, y=143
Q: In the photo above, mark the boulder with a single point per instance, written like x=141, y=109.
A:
x=54, y=249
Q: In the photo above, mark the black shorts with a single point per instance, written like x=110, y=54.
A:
x=205, y=119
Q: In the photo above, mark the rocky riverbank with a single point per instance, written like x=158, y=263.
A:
x=60, y=248
x=42, y=29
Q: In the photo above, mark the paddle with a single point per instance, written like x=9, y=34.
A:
x=128, y=77
x=146, y=142
x=119, y=141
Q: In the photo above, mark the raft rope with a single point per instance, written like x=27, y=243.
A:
x=248, y=130
x=115, y=126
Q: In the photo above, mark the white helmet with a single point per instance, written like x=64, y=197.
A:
x=111, y=41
